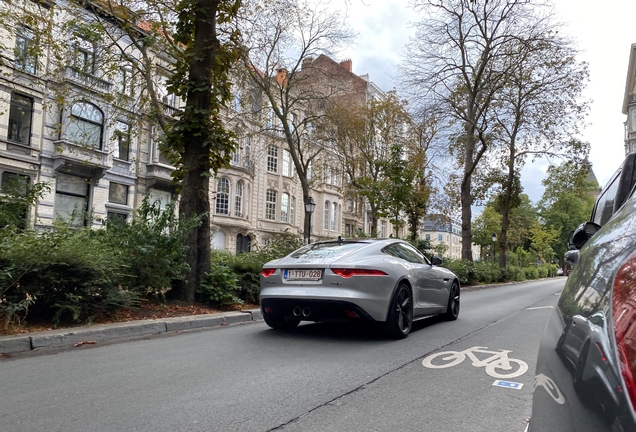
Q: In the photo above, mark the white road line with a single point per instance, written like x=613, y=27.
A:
x=541, y=307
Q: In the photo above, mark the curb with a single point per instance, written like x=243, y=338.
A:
x=64, y=338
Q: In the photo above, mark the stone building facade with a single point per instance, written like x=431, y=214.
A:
x=68, y=121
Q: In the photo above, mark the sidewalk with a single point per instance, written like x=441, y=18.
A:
x=68, y=337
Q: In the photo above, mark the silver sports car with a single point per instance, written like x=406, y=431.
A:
x=376, y=280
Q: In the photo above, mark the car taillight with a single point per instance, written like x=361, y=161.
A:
x=624, y=315
x=267, y=272
x=347, y=273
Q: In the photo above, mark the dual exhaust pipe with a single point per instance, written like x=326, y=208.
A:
x=297, y=311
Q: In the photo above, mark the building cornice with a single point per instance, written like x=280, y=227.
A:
x=631, y=78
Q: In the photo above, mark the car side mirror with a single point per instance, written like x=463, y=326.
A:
x=571, y=256
x=570, y=241
x=435, y=260
x=583, y=233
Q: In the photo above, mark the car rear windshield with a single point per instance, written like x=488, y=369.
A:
x=327, y=250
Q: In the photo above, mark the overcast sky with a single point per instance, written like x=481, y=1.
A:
x=604, y=33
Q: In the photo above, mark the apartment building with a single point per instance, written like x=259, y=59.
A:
x=74, y=114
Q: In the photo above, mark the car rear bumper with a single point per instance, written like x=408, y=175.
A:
x=315, y=309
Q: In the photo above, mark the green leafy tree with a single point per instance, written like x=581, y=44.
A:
x=198, y=136
x=567, y=201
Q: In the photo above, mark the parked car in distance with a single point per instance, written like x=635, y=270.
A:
x=560, y=272
x=586, y=368
x=387, y=281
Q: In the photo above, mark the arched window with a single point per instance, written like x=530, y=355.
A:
x=327, y=209
x=238, y=199
x=292, y=211
x=284, y=208
x=333, y=216
x=87, y=124
x=223, y=196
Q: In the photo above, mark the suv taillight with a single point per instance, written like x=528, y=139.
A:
x=624, y=315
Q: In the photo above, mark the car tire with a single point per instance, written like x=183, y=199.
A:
x=399, y=320
x=280, y=322
x=452, y=309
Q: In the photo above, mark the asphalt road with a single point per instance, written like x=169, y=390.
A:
x=318, y=378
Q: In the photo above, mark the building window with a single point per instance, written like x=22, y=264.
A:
x=86, y=125
x=272, y=159
x=122, y=135
x=292, y=211
x=349, y=205
x=223, y=196
x=117, y=218
x=247, y=141
x=20, y=115
x=288, y=166
x=84, y=55
x=339, y=218
x=327, y=212
x=284, y=208
x=333, y=216
x=162, y=198
x=270, y=118
x=270, y=204
x=428, y=236
x=25, y=50
x=383, y=229
x=118, y=193
x=347, y=230
x=164, y=95
x=125, y=81
x=71, y=198
x=15, y=183
x=439, y=237
x=238, y=199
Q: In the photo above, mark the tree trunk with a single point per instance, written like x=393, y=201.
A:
x=466, y=196
x=195, y=199
x=505, y=211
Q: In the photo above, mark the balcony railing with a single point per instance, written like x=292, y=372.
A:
x=80, y=158
x=245, y=163
x=87, y=79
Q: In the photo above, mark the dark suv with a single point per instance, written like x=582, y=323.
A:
x=586, y=368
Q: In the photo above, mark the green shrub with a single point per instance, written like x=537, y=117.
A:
x=219, y=287
x=69, y=274
x=542, y=271
x=153, y=245
x=531, y=272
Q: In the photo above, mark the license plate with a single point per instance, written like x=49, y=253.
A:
x=302, y=275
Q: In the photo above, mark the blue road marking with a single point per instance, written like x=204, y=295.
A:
x=508, y=384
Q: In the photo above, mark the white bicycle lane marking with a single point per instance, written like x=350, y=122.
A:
x=498, y=364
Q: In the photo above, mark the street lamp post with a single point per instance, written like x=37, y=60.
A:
x=310, y=206
x=494, y=248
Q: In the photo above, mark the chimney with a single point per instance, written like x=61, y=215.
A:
x=306, y=62
x=347, y=64
x=281, y=77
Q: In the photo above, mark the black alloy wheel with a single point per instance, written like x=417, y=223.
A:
x=400, y=318
x=452, y=310
x=280, y=322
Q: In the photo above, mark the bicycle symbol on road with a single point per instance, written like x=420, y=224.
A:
x=497, y=365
